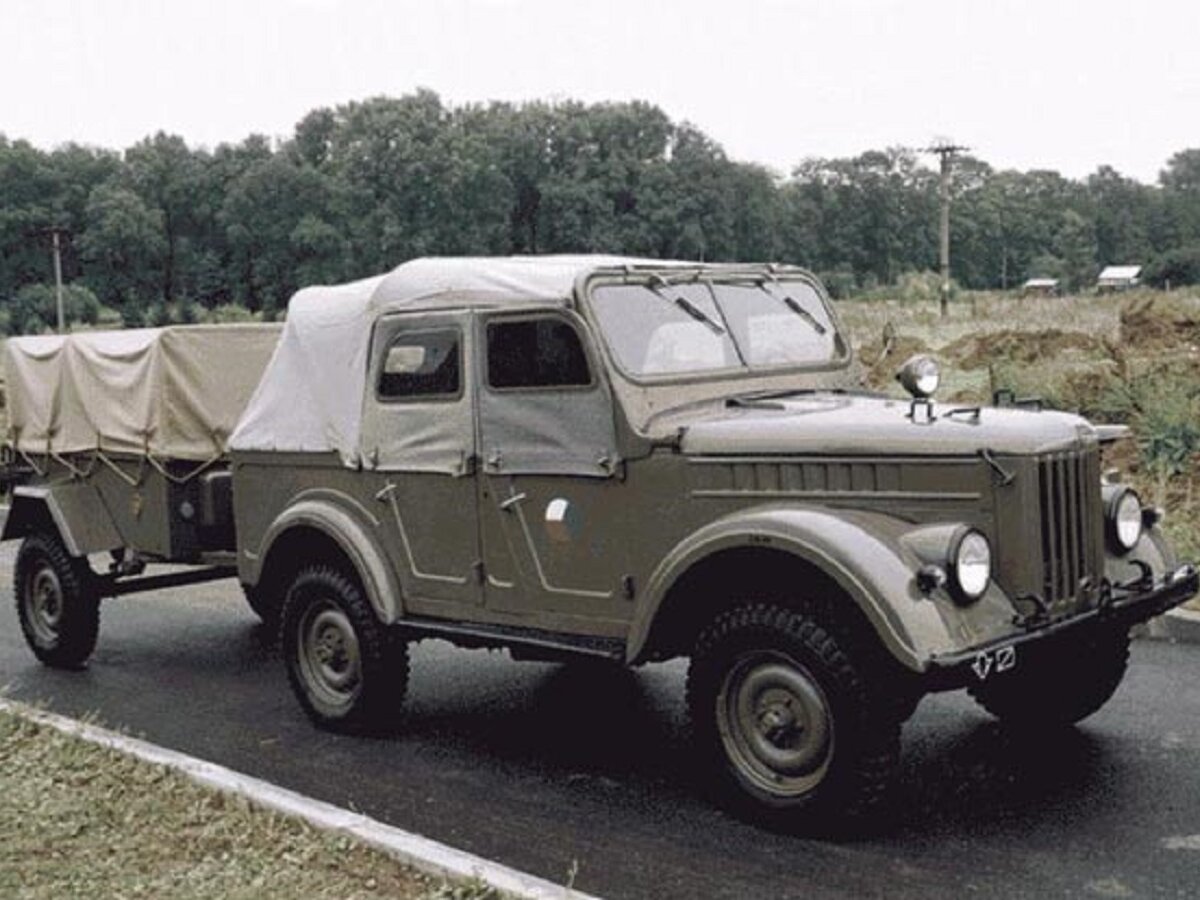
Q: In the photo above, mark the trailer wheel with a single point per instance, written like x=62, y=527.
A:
x=57, y=602
x=790, y=724
x=348, y=670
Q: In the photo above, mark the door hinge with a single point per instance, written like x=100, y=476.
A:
x=470, y=463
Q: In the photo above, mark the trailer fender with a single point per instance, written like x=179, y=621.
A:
x=74, y=508
x=351, y=530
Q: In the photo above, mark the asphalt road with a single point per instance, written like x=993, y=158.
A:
x=558, y=768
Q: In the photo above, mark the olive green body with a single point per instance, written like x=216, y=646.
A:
x=828, y=493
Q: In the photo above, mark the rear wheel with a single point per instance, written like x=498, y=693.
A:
x=786, y=718
x=1058, y=683
x=348, y=671
x=57, y=602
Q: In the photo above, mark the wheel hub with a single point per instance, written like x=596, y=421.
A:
x=775, y=723
x=329, y=654
x=44, y=603
x=777, y=720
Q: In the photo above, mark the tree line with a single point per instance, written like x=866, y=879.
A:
x=166, y=232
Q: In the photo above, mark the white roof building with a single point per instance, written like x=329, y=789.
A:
x=1119, y=276
x=1040, y=284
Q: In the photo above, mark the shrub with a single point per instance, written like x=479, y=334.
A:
x=1178, y=266
x=34, y=308
x=229, y=313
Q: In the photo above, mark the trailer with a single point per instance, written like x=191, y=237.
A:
x=117, y=450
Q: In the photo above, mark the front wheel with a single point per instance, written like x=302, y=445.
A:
x=1058, y=683
x=788, y=722
x=57, y=602
x=348, y=670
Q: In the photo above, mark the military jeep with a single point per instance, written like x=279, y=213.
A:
x=628, y=460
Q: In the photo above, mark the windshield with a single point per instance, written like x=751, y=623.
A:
x=663, y=328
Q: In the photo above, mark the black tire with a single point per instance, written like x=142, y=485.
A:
x=789, y=725
x=57, y=602
x=1059, y=683
x=348, y=671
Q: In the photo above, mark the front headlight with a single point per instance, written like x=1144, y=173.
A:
x=920, y=375
x=1125, y=519
x=971, y=563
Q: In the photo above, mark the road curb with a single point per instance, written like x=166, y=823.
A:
x=424, y=855
x=1180, y=626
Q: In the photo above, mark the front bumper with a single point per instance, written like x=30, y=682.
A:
x=1123, y=608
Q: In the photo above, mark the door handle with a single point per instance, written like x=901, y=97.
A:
x=512, y=501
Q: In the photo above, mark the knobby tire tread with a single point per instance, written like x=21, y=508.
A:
x=866, y=723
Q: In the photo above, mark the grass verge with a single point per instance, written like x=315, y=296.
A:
x=80, y=820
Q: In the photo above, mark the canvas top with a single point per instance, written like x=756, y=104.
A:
x=174, y=392
x=311, y=397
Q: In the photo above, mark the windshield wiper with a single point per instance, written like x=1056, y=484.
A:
x=794, y=305
x=656, y=285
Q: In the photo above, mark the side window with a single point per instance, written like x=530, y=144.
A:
x=422, y=364
x=535, y=353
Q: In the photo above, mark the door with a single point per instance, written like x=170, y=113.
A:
x=550, y=502
x=419, y=442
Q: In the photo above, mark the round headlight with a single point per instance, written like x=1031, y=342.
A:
x=971, y=562
x=1126, y=519
x=920, y=375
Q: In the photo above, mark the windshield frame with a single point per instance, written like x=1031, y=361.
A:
x=774, y=282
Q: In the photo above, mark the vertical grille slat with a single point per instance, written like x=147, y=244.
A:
x=1074, y=544
x=1049, y=558
x=1069, y=506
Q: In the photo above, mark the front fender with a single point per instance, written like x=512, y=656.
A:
x=352, y=528
x=864, y=553
x=1153, y=550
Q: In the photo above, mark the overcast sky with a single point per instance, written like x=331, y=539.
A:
x=1025, y=84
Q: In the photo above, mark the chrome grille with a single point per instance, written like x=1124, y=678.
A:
x=1069, y=501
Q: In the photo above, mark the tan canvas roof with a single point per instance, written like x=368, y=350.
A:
x=311, y=397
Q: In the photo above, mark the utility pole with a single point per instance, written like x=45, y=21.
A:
x=55, y=231
x=945, y=151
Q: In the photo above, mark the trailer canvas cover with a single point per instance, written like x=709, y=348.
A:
x=170, y=393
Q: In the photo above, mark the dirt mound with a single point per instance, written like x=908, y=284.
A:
x=977, y=351
x=1157, y=323
x=882, y=359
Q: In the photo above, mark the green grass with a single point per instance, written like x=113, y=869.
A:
x=80, y=820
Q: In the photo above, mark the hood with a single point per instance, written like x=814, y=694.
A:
x=855, y=425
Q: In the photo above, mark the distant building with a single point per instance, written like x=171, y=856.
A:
x=1040, y=287
x=1118, y=278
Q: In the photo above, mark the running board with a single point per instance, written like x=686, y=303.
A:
x=108, y=586
x=525, y=642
